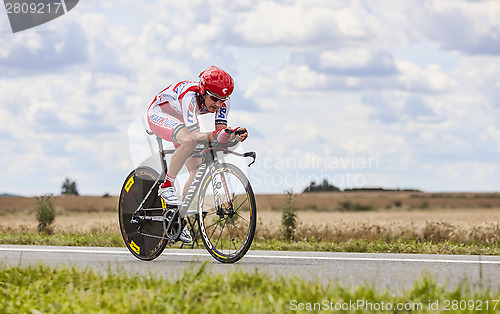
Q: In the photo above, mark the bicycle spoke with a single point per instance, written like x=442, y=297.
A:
x=242, y=218
x=236, y=237
x=220, y=234
x=231, y=238
x=237, y=209
x=233, y=219
x=217, y=223
x=236, y=227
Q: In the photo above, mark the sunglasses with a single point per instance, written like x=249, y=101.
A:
x=216, y=98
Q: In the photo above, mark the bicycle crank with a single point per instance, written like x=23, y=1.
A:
x=172, y=224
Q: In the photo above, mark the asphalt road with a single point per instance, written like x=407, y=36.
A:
x=393, y=271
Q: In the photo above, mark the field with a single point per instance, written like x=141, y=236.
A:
x=349, y=221
x=357, y=222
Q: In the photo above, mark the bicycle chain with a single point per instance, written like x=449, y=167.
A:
x=154, y=236
x=170, y=238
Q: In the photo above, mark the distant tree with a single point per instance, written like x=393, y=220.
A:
x=325, y=186
x=69, y=187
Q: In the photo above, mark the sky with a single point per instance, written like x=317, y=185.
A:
x=394, y=94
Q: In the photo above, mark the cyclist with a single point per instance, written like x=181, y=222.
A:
x=173, y=116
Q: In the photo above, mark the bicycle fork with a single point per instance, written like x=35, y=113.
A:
x=220, y=209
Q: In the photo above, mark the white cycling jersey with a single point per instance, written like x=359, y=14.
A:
x=180, y=100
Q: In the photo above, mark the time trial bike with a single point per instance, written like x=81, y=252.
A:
x=225, y=206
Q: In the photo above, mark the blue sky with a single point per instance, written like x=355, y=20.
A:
x=399, y=94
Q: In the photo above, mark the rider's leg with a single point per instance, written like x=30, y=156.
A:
x=179, y=157
x=192, y=166
x=167, y=127
x=186, y=146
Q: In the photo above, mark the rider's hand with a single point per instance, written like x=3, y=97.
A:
x=221, y=136
x=243, y=136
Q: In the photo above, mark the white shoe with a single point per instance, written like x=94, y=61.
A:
x=169, y=196
x=185, y=236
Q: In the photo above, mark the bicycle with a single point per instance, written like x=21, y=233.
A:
x=226, y=208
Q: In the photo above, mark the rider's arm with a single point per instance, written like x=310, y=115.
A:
x=199, y=136
x=221, y=115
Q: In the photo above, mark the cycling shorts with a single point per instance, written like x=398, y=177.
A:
x=165, y=124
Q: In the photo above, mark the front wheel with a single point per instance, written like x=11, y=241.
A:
x=227, y=213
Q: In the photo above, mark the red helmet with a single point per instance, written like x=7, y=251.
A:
x=216, y=81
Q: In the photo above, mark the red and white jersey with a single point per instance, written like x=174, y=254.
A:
x=180, y=100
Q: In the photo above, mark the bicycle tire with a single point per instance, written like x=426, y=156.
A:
x=227, y=237
x=144, y=239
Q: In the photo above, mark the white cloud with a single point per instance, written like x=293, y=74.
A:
x=301, y=77
x=472, y=27
x=31, y=53
x=356, y=72
x=304, y=23
x=423, y=79
x=480, y=73
x=362, y=62
x=324, y=78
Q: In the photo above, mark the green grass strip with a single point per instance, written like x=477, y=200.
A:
x=380, y=246
x=62, y=239
x=358, y=245
x=41, y=289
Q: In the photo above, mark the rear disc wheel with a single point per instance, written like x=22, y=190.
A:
x=144, y=239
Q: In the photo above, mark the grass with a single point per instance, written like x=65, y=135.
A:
x=356, y=227
x=41, y=289
x=64, y=239
x=484, y=234
x=342, y=236
x=377, y=246
x=111, y=239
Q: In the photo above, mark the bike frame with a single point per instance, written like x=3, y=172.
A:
x=206, y=165
x=144, y=215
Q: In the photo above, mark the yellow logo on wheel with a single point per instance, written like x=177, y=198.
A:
x=135, y=247
x=129, y=184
